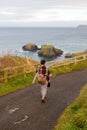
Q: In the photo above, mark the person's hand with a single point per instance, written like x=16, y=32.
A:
x=50, y=75
x=32, y=82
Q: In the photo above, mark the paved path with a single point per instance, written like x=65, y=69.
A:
x=23, y=110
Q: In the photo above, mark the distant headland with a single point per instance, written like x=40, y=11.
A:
x=82, y=26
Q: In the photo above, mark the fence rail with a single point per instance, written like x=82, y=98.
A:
x=12, y=72
x=74, y=60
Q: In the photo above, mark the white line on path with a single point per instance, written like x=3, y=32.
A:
x=11, y=110
x=22, y=120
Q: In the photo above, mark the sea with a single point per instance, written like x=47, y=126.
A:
x=68, y=39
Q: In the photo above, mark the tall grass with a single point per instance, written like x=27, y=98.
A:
x=13, y=61
x=9, y=61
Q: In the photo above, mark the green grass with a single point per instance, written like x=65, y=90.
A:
x=16, y=84
x=75, y=115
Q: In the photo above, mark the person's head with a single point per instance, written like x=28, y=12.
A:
x=42, y=62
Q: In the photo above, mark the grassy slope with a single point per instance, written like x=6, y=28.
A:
x=75, y=116
x=13, y=61
x=16, y=84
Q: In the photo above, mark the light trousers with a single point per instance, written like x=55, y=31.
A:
x=44, y=90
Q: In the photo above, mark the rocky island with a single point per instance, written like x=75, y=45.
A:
x=30, y=47
x=46, y=51
x=49, y=51
x=69, y=55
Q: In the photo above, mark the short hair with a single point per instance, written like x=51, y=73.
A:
x=42, y=62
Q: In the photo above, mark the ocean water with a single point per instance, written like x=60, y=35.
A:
x=70, y=40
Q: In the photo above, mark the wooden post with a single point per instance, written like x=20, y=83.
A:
x=15, y=71
x=5, y=76
x=75, y=60
x=84, y=57
x=24, y=70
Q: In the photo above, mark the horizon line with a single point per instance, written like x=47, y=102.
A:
x=38, y=26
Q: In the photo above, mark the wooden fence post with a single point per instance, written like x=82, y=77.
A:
x=15, y=72
x=84, y=57
x=5, y=76
x=75, y=60
x=24, y=70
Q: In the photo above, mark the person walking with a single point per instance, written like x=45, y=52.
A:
x=45, y=83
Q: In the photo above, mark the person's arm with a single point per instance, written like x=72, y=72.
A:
x=48, y=72
x=34, y=78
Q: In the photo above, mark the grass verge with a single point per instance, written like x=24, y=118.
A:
x=75, y=115
x=16, y=84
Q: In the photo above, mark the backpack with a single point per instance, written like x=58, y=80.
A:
x=40, y=77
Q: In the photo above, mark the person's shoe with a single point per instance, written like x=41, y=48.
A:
x=43, y=101
x=48, y=85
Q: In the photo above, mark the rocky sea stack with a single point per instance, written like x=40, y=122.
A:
x=49, y=51
x=30, y=47
x=69, y=55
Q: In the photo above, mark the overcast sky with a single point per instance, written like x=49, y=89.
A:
x=43, y=12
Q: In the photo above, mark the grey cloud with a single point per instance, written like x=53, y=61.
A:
x=26, y=9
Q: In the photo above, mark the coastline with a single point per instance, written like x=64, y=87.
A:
x=70, y=40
